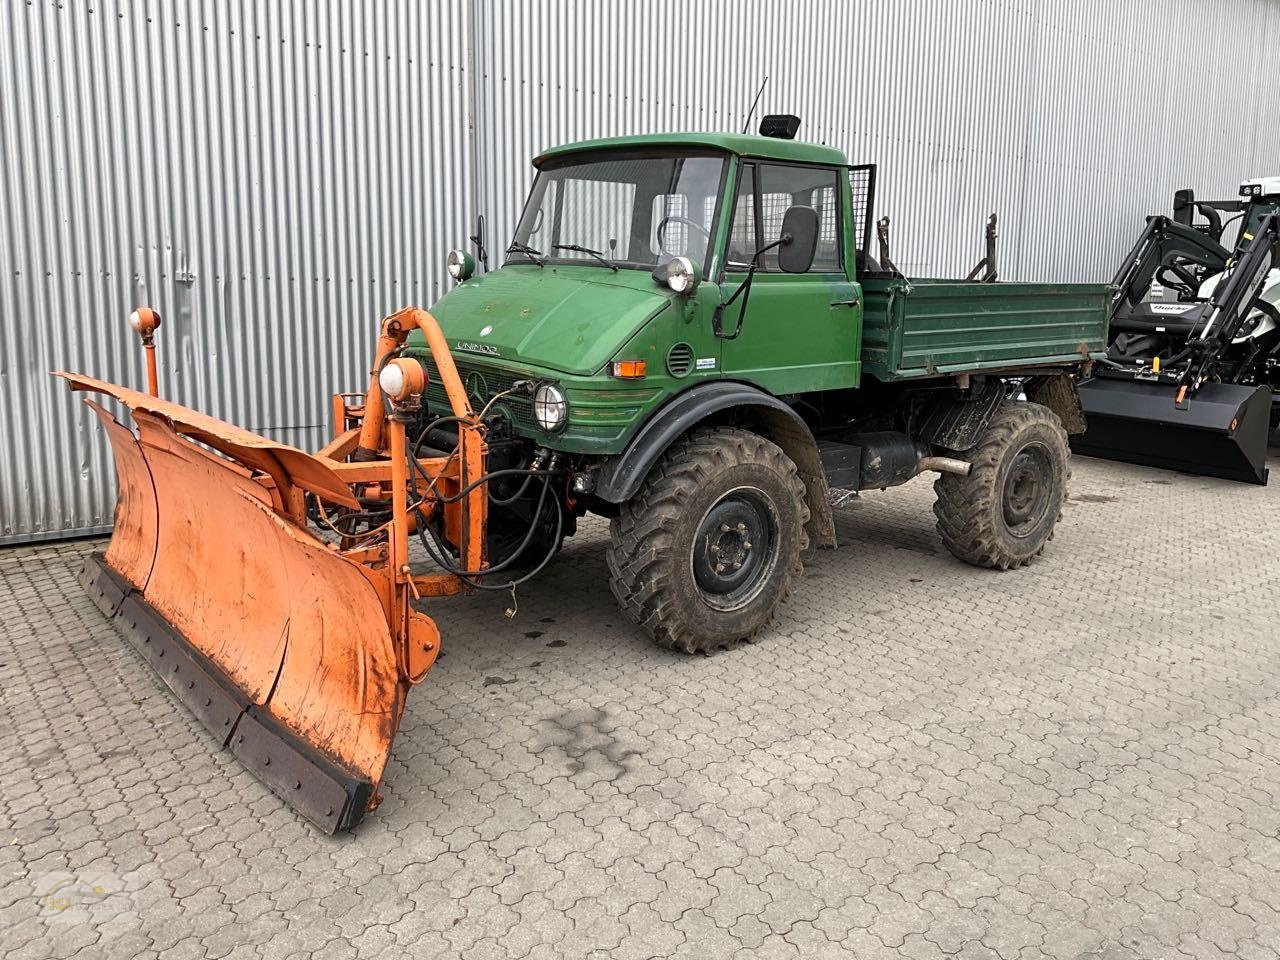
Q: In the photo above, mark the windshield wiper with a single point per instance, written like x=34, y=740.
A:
x=528, y=251
x=579, y=248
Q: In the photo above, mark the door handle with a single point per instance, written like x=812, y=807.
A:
x=845, y=303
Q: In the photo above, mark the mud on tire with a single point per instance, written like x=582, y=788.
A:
x=1004, y=512
x=708, y=547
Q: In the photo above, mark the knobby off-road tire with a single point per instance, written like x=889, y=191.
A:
x=1003, y=513
x=708, y=547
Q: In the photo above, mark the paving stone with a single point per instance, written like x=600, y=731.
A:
x=920, y=759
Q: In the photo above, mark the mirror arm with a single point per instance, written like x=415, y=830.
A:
x=743, y=291
x=478, y=239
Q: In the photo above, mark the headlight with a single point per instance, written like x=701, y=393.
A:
x=460, y=264
x=402, y=378
x=682, y=275
x=550, y=409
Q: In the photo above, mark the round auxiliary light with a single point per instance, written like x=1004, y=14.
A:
x=550, y=408
x=144, y=320
x=460, y=264
x=402, y=378
x=683, y=275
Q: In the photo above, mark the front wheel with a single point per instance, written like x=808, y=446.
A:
x=1003, y=513
x=706, y=550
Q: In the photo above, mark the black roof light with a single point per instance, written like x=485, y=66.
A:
x=782, y=126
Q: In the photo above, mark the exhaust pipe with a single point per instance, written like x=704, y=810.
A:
x=889, y=458
x=944, y=465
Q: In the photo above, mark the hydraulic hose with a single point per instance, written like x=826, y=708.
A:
x=434, y=544
x=469, y=575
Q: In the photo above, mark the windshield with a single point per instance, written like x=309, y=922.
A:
x=631, y=211
x=1253, y=220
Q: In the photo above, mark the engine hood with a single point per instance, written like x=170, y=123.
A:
x=571, y=319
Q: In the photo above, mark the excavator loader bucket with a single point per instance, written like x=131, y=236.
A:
x=1220, y=431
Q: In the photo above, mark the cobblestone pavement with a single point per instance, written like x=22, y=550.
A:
x=1079, y=759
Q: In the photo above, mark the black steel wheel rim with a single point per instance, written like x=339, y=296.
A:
x=735, y=548
x=1028, y=485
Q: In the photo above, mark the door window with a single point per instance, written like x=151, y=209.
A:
x=765, y=193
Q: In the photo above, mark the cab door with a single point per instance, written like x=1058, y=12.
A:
x=800, y=331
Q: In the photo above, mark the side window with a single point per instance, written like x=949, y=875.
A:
x=743, y=240
x=784, y=185
x=826, y=200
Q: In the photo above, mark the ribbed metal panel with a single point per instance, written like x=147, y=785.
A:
x=275, y=177
x=1070, y=121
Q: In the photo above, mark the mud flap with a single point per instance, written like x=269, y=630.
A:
x=1221, y=431
x=278, y=645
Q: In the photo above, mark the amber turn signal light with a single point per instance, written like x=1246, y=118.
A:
x=629, y=369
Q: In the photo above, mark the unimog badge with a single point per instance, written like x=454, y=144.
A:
x=487, y=349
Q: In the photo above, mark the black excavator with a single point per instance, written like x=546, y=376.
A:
x=1191, y=378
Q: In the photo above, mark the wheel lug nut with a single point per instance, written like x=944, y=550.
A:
x=715, y=548
x=746, y=544
x=725, y=528
x=737, y=565
x=719, y=568
x=742, y=528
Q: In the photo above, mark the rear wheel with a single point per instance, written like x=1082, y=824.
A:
x=1004, y=512
x=706, y=550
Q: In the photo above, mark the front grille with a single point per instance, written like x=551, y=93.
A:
x=481, y=383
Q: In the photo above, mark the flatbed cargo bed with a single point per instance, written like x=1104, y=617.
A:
x=917, y=328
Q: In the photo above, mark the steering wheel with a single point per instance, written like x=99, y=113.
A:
x=662, y=229
x=1172, y=275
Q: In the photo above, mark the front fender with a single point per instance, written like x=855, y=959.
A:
x=619, y=479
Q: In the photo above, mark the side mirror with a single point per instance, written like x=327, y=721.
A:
x=799, y=239
x=1183, y=206
x=796, y=247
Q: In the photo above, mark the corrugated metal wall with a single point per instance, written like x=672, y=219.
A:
x=1070, y=120
x=275, y=177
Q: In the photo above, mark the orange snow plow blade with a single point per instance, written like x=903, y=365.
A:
x=295, y=651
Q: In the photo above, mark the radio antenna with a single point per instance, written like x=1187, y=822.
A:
x=747, y=122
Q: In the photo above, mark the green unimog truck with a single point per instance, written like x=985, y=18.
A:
x=690, y=336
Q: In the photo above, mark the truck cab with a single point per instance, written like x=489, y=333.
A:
x=706, y=304
x=674, y=222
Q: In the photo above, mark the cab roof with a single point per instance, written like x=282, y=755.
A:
x=745, y=145
x=1270, y=185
